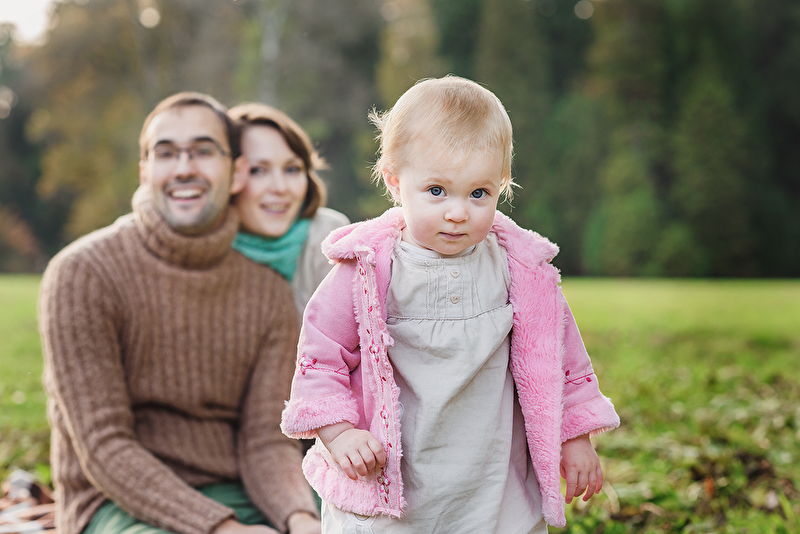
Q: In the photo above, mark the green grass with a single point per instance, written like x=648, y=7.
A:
x=703, y=375
x=22, y=400
x=24, y=434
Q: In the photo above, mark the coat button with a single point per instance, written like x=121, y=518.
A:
x=454, y=299
x=454, y=273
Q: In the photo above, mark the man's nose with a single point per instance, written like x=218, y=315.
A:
x=185, y=165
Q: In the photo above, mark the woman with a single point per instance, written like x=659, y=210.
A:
x=283, y=221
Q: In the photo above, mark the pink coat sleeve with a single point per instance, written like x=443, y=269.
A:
x=328, y=358
x=586, y=409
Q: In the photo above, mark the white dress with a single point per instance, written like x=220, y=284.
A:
x=465, y=459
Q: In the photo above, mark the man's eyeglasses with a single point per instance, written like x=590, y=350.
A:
x=201, y=151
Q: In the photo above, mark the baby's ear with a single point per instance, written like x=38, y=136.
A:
x=391, y=181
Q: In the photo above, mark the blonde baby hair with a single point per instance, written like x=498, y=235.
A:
x=456, y=113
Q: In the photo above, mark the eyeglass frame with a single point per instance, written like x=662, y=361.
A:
x=188, y=149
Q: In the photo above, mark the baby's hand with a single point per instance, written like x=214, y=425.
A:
x=356, y=451
x=580, y=467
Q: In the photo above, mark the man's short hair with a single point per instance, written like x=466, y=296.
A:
x=186, y=99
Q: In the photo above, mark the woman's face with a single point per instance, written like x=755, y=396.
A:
x=276, y=186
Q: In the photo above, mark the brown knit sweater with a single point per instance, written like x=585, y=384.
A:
x=168, y=359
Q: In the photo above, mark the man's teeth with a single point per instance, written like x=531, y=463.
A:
x=186, y=193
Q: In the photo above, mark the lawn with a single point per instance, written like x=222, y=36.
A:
x=702, y=373
x=24, y=435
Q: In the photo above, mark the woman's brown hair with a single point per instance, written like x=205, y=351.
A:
x=256, y=114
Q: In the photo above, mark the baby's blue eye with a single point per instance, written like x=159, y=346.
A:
x=479, y=193
x=436, y=191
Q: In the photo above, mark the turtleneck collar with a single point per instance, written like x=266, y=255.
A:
x=191, y=252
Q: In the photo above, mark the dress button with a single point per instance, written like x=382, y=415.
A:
x=454, y=273
x=454, y=299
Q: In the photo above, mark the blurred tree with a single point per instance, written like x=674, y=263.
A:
x=774, y=50
x=653, y=137
x=458, y=24
x=620, y=233
x=628, y=79
x=576, y=141
x=568, y=37
x=626, y=59
x=91, y=89
x=408, y=48
x=711, y=157
x=31, y=225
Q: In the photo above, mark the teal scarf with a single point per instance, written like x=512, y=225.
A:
x=280, y=253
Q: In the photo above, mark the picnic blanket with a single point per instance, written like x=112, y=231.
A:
x=26, y=506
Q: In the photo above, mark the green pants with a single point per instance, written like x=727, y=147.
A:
x=111, y=519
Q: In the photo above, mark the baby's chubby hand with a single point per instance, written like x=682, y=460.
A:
x=580, y=468
x=356, y=451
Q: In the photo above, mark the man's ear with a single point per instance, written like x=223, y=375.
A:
x=142, y=172
x=241, y=170
x=391, y=181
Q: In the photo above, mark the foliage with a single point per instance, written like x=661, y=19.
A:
x=619, y=236
x=408, y=48
x=699, y=100
x=710, y=185
x=31, y=223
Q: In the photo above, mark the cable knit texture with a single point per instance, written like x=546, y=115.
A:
x=168, y=359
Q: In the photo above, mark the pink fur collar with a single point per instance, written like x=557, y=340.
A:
x=344, y=242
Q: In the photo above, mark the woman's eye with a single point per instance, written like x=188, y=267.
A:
x=436, y=191
x=294, y=169
x=256, y=170
x=479, y=193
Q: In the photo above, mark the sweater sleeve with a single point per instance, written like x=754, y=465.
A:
x=80, y=322
x=586, y=409
x=327, y=354
x=269, y=462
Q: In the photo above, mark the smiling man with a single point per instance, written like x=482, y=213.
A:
x=168, y=355
x=191, y=192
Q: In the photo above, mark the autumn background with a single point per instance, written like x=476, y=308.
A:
x=653, y=137
x=657, y=142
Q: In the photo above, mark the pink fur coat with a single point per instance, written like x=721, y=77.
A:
x=344, y=374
